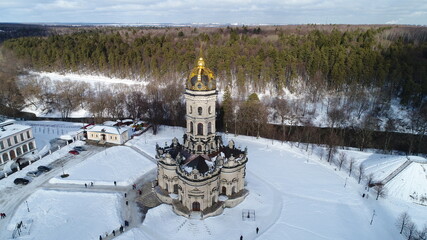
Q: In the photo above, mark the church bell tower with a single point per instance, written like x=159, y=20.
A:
x=200, y=96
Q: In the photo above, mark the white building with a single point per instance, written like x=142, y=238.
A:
x=15, y=141
x=108, y=134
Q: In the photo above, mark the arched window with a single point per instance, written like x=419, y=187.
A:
x=200, y=110
x=200, y=129
x=199, y=148
x=209, y=109
x=191, y=109
x=224, y=191
x=191, y=127
x=18, y=151
x=12, y=154
x=5, y=157
x=175, y=188
x=25, y=148
x=209, y=128
x=31, y=145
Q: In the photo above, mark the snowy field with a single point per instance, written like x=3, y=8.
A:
x=294, y=194
x=68, y=215
x=316, y=205
x=264, y=200
x=121, y=164
x=92, y=79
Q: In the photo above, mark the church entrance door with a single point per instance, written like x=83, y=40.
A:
x=196, y=206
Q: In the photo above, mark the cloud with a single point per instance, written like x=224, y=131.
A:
x=220, y=11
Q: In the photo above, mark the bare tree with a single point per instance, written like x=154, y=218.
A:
x=402, y=221
x=370, y=180
x=361, y=172
x=351, y=166
x=410, y=230
x=342, y=158
x=422, y=235
x=381, y=192
x=281, y=108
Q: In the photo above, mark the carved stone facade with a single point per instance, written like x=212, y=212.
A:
x=201, y=175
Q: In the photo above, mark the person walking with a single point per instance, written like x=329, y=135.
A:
x=85, y=185
x=114, y=233
x=121, y=228
x=115, y=183
x=100, y=237
x=241, y=237
x=257, y=230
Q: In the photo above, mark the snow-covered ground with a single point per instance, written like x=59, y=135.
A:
x=92, y=79
x=121, y=164
x=44, y=131
x=68, y=215
x=295, y=195
x=316, y=205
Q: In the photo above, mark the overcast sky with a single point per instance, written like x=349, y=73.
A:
x=216, y=11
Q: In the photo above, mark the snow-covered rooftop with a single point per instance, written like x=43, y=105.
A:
x=10, y=127
x=108, y=129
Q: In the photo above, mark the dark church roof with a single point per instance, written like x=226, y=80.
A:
x=198, y=163
x=231, y=151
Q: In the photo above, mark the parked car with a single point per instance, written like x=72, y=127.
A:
x=79, y=148
x=43, y=169
x=74, y=152
x=34, y=173
x=22, y=181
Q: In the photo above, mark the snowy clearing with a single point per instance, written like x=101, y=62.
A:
x=121, y=164
x=315, y=201
x=68, y=215
x=294, y=194
x=92, y=79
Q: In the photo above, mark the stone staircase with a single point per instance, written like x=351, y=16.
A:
x=396, y=172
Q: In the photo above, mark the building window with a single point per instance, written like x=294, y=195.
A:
x=200, y=110
x=191, y=109
x=25, y=148
x=28, y=134
x=1, y=145
x=209, y=128
x=18, y=151
x=209, y=109
x=16, y=139
x=31, y=145
x=115, y=138
x=9, y=143
x=5, y=157
x=22, y=137
x=191, y=127
x=200, y=129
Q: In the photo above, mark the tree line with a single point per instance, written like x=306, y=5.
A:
x=249, y=59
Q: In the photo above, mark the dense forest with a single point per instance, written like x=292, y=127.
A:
x=354, y=71
x=335, y=57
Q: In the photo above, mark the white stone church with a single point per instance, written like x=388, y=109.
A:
x=201, y=175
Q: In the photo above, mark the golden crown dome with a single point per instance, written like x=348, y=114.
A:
x=201, y=78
